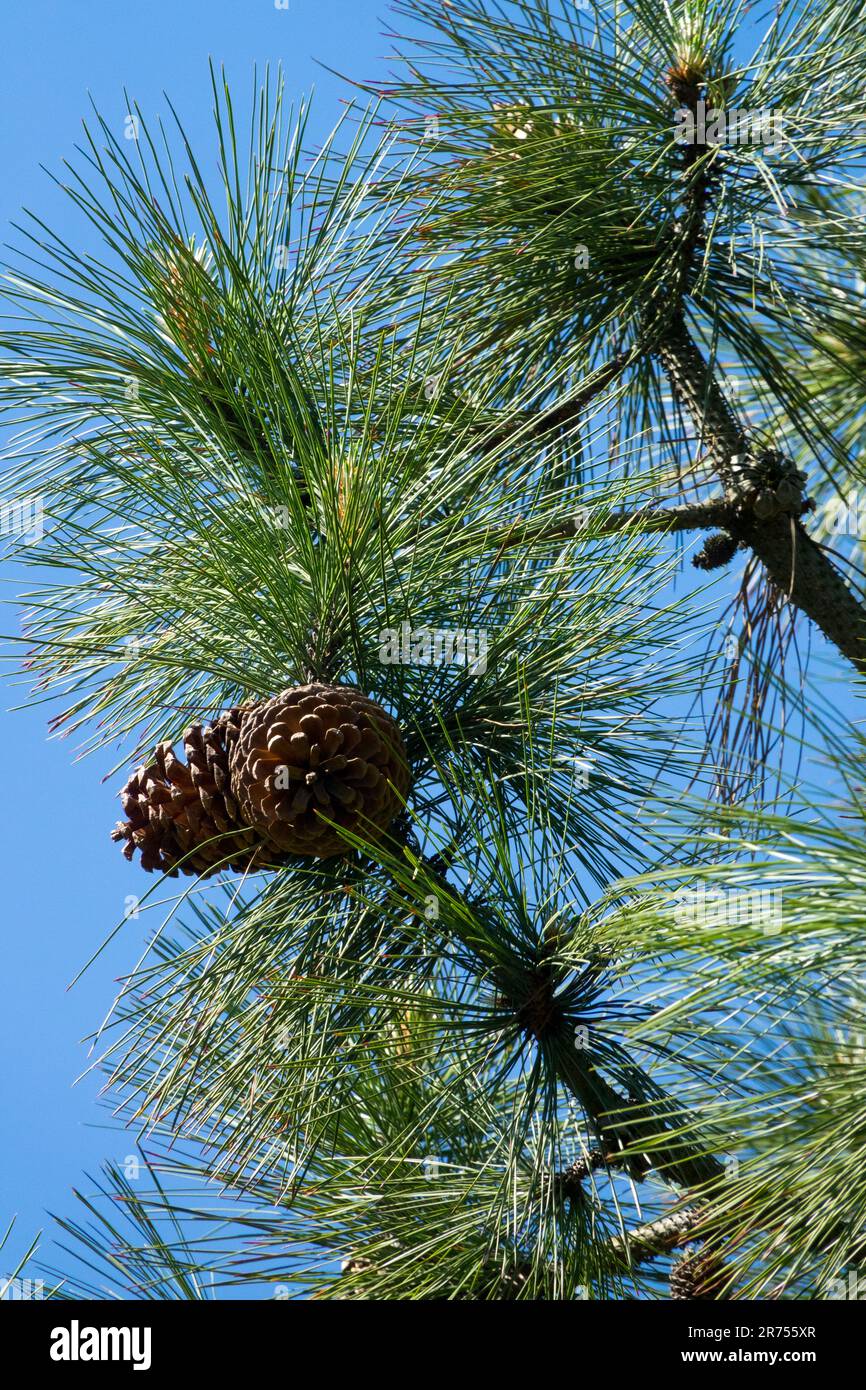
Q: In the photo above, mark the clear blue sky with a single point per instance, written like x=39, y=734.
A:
x=65, y=884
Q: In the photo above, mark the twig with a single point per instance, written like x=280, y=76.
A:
x=696, y=516
x=658, y=1237
x=530, y=425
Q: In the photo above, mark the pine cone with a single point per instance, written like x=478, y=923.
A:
x=175, y=807
x=318, y=751
x=716, y=551
x=697, y=1275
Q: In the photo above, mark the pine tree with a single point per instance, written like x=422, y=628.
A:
x=514, y=954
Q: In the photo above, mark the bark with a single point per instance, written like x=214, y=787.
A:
x=658, y=1237
x=793, y=561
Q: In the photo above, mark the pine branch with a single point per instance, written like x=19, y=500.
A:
x=529, y=991
x=658, y=1237
x=698, y=1273
x=695, y=386
x=796, y=565
x=610, y=1114
x=530, y=425
x=793, y=561
x=696, y=516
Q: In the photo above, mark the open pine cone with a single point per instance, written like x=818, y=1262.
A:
x=175, y=807
x=318, y=751
x=257, y=783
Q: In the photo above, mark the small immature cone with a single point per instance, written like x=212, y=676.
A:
x=314, y=754
x=717, y=550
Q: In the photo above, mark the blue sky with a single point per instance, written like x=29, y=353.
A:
x=65, y=884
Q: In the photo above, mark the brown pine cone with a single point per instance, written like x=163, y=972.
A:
x=319, y=751
x=175, y=807
x=697, y=1275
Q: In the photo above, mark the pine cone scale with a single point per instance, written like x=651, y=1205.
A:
x=177, y=809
